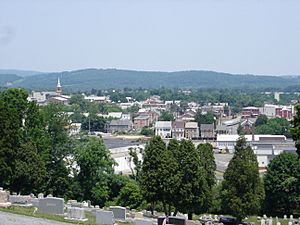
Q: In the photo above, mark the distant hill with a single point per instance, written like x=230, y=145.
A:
x=86, y=79
x=22, y=73
x=8, y=79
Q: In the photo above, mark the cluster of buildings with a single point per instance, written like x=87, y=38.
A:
x=184, y=130
x=266, y=147
x=271, y=111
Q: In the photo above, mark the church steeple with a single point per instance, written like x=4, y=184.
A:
x=58, y=87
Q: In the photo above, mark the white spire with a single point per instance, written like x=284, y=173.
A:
x=58, y=83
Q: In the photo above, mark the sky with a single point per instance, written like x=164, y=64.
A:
x=236, y=36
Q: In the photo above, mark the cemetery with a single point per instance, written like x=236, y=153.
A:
x=74, y=212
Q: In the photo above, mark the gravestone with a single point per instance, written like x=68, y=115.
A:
x=19, y=199
x=105, y=217
x=142, y=222
x=190, y=222
x=40, y=195
x=76, y=204
x=285, y=217
x=76, y=214
x=119, y=212
x=278, y=223
x=34, y=202
x=172, y=220
x=290, y=223
x=291, y=217
x=270, y=221
x=262, y=222
x=4, y=197
x=51, y=205
x=89, y=203
x=138, y=215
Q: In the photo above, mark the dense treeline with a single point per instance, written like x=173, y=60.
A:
x=86, y=79
x=38, y=155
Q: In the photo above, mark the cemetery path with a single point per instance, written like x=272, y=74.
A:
x=14, y=219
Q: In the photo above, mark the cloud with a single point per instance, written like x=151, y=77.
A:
x=7, y=34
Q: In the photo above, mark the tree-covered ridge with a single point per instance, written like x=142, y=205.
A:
x=87, y=79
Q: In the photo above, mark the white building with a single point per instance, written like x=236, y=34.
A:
x=266, y=147
x=163, y=129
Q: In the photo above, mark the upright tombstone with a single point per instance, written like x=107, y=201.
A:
x=105, y=217
x=51, y=205
x=278, y=223
x=262, y=222
x=285, y=217
x=4, y=196
x=139, y=221
x=171, y=220
x=270, y=221
x=75, y=213
x=20, y=199
x=40, y=195
x=119, y=212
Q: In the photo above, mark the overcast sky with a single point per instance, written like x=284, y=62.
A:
x=236, y=36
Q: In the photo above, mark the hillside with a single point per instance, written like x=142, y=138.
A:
x=6, y=79
x=111, y=78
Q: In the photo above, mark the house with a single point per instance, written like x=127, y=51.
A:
x=207, y=131
x=120, y=126
x=222, y=129
x=178, y=129
x=97, y=99
x=59, y=100
x=141, y=121
x=163, y=129
x=191, y=130
x=125, y=116
x=247, y=125
x=250, y=112
x=266, y=147
x=116, y=115
x=273, y=111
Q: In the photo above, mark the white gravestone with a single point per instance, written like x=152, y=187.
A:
x=105, y=217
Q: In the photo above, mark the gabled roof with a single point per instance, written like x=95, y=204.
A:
x=206, y=126
x=163, y=124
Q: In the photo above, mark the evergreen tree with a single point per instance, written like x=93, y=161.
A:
x=295, y=130
x=157, y=180
x=192, y=188
x=208, y=163
x=95, y=168
x=282, y=184
x=242, y=189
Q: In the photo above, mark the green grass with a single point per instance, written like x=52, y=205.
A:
x=28, y=211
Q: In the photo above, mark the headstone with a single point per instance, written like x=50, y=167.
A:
x=291, y=217
x=34, y=202
x=262, y=222
x=290, y=223
x=76, y=204
x=216, y=217
x=270, y=221
x=138, y=215
x=172, y=220
x=278, y=223
x=4, y=196
x=70, y=201
x=285, y=217
x=265, y=216
x=76, y=214
x=276, y=218
x=19, y=199
x=190, y=222
x=51, y=205
x=85, y=204
x=89, y=203
x=105, y=217
x=142, y=222
x=97, y=207
x=40, y=195
x=119, y=212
